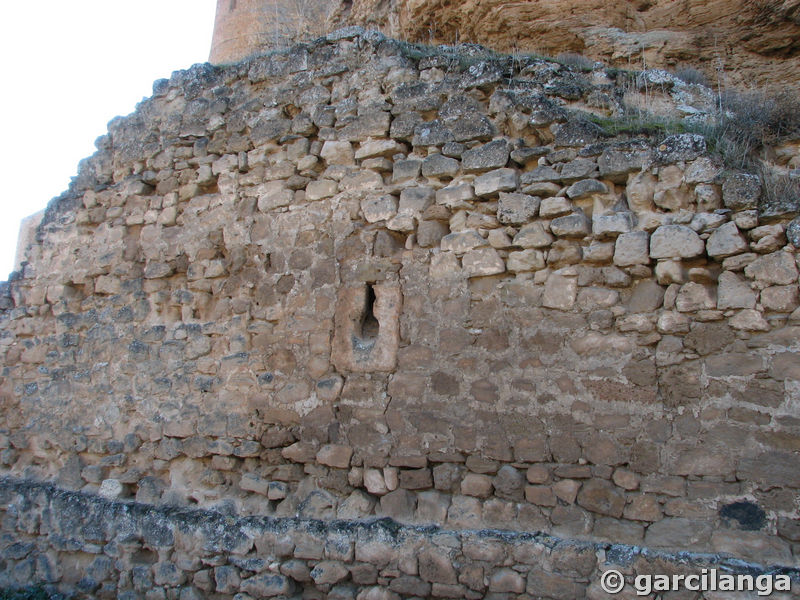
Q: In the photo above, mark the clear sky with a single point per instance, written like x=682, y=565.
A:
x=68, y=68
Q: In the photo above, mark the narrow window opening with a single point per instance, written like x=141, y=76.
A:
x=369, y=324
x=232, y=6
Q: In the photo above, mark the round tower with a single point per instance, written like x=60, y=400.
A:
x=239, y=29
x=244, y=27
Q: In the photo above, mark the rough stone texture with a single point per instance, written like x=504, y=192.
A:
x=228, y=557
x=196, y=326
x=675, y=241
x=757, y=39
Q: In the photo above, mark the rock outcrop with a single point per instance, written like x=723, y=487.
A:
x=731, y=42
x=740, y=41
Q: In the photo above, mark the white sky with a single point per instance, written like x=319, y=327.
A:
x=69, y=67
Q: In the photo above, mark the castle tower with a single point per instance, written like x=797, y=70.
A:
x=244, y=27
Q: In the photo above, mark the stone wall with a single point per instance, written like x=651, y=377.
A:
x=102, y=549
x=355, y=279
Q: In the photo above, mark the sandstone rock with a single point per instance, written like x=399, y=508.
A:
x=414, y=200
x=374, y=482
x=694, y=296
x=612, y=225
x=406, y=170
x=437, y=165
x=516, y=208
x=477, y=485
x=375, y=148
x=482, y=262
x=111, y=489
x=617, y=164
x=399, y=504
x=329, y=572
x=601, y=497
x=632, y=249
x=793, y=232
x=533, y=235
x=554, y=207
x=430, y=233
x=506, y=581
x=379, y=208
x=335, y=455
x=577, y=133
x=703, y=222
x=640, y=190
x=741, y=191
x=677, y=533
x=540, y=495
x=493, y=155
x=338, y=153
x=749, y=320
x=541, y=174
x=726, y=241
x=598, y=252
x=702, y=170
x=680, y=147
x=455, y=196
x=574, y=225
x=560, y=292
x=733, y=292
x=780, y=298
x=526, y=260
x=675, y=241
x=268, y=585
x=778, y=268
x=586, y=187
x=435, y=566
x=499, y=180
x=579, y=169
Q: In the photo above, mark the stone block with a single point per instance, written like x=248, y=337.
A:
x=726, y=241
x=493, y=182
x=586, y=187
x=612, y=225
x=516, y=208
x=477, y=485
x=555, y=207
x=436, y=566
x=560, y=292
x=493, y=155
x=575, y=225
x=335, y=455
x=675, y=241
x=323, y=188
x=632, y=249
x=780, y=298
x=482, y=262
x=533, y=235
x=741, y=191
x=734, y=292
x=338, y=153
x=456, y=196
x=601, y=497
x=526, y=260
x=678, y=533
x=437, y=165
x=778, y=268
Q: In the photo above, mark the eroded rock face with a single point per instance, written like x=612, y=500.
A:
x=749, y=41
x=735, y=41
